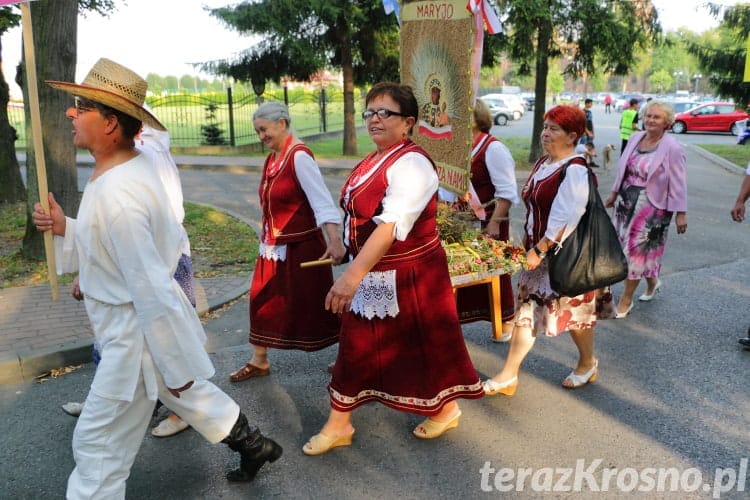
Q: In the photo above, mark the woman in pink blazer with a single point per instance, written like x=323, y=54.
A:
x=651, y=184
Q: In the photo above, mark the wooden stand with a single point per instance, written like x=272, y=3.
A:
x=492, y=283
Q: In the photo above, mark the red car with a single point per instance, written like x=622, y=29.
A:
x=709, y=117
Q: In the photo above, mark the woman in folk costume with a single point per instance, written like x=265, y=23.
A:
x=493, y=185
x=554, y=207
x=287, y=301
x=401, y=343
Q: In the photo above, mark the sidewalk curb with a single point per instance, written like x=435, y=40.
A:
x=30, y=364
x=725, y=164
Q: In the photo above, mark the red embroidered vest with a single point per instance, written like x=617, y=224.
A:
x=480, y=176
x=366, y=201
x=538, y=197
x=287, y=215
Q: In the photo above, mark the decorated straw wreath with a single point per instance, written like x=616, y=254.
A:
x=469, y=251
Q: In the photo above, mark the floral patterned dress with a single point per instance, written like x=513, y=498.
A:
x=642, y=227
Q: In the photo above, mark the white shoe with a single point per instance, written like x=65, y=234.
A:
x=505, y=337
x=73, y=409
x=168, y=427
x=646, y=297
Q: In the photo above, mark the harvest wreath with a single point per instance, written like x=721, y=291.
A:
x=471, y=253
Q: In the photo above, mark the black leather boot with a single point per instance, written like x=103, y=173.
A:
x=253, y=447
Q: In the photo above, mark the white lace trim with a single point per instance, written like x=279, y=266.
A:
x=376, y=295
x=272, y=252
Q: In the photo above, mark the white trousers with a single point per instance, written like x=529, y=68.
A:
x=109, y=433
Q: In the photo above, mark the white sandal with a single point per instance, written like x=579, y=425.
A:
x=577, y=381
x=507, y=388
x=169, y=427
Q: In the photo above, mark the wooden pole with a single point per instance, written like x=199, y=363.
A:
x=36, y=133
x=315, y=263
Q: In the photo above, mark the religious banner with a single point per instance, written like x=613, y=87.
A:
x=439, y=61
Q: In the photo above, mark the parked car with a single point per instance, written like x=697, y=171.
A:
x=623, y=101
x=529, y=99
x=682, y=106
x=710, y=117
x=513, y=101
x=500, y=112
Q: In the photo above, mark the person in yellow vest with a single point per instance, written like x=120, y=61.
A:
x=629, y=122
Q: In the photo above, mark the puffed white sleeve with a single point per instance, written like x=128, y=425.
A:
x=502, y=169
x=412, y=182
x=318, y=195
x=569, y=203
x=66, y=253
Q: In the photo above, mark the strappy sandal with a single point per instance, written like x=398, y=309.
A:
x=575, y=381
x=507, y=388
x=248, y=371
x=430, y=429
x=320, y=443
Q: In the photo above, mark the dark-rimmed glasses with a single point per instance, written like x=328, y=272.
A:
x=382, y=114
x=83, y=105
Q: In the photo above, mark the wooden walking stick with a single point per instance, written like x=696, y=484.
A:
x=36, y=133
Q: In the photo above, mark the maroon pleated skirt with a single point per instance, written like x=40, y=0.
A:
x=287, y=303
x=414, y=362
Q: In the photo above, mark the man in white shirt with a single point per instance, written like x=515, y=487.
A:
x=738, y=215
x=125, y=245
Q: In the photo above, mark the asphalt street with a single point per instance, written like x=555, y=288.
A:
x=668, y=415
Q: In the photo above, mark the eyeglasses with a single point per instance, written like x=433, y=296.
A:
x=82, y=105
x=382, y=114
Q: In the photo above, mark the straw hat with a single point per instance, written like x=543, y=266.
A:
x=114, y=86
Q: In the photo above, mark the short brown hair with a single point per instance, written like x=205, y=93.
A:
x=482, y=116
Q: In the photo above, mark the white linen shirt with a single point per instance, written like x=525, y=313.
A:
x=125, y=244
x=501, y=166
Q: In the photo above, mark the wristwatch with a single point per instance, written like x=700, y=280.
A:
x=539, y=252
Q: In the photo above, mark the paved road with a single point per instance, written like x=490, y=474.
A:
x=672, y=393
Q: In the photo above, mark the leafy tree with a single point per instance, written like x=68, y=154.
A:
x=188, y=83
x=171, y=85
x=661, y=81
x=212, y=133
x=591, y=35
x=12, y=189
x=302, y=37
x=723, y=60
x=55, y=27
x=155, y=83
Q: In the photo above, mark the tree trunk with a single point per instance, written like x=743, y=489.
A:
x=347, y=70
x=12, y=189
x=55, y=26
x=544, y=35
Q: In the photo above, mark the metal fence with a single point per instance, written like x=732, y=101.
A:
x=226, y=119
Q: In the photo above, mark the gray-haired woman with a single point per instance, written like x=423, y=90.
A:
x=286, y=301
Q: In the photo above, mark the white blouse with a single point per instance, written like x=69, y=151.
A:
x=570, y=201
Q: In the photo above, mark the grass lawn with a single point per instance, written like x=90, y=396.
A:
x=221, y=246
x=739, y=155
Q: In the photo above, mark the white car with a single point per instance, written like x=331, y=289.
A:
x=513, y=101
x=501, y=113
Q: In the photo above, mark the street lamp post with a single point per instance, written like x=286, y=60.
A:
x=677, y=75
x=696, y=80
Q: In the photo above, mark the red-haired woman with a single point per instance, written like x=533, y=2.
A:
x=554, y=205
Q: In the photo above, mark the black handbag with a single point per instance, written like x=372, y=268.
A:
x=591, y=257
